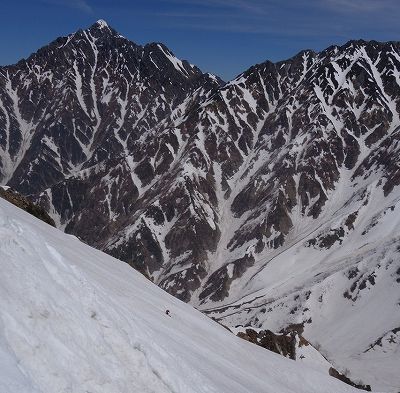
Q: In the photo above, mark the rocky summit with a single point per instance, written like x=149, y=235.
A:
x=267, y=201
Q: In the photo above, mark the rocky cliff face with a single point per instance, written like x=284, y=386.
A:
x=270, y=200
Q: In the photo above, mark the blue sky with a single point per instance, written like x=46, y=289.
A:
x=221, y=36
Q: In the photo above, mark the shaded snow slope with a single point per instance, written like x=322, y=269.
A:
x=76, y=320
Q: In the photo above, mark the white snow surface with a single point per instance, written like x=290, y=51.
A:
x=102, y=23
x=74, y=319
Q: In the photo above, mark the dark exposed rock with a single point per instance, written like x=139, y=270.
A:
x=25, y=204
x=285, y=345
x=281, y=344
x=350, y=220
x=336, y=374
x=327, y=240
x=389, y=336
x=218, y=284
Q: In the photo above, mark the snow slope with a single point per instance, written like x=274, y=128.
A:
x=346, y=296
x=76, y=320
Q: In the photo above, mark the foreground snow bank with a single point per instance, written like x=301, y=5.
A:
x=76, y=320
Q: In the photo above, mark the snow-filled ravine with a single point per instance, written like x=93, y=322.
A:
x=76, y=320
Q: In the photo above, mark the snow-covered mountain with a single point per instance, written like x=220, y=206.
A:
x=86, y=98
x=267, y=201
x=73, y=319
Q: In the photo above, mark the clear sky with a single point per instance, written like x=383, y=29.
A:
x=220, y=36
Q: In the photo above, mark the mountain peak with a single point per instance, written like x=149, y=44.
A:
x=102, y=27
x=101, y=24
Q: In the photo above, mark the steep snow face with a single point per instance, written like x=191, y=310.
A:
x=73, y=319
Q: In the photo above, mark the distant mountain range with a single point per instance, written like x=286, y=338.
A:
x=267, y=201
